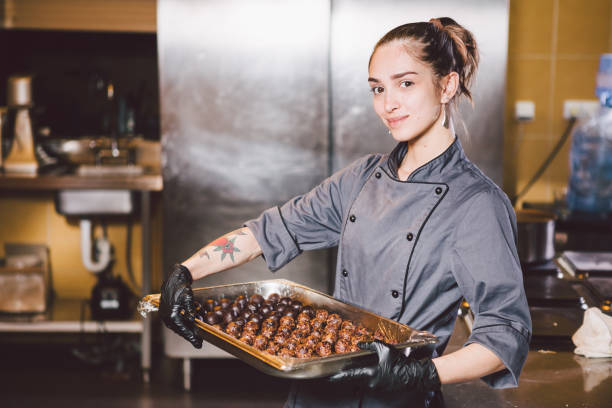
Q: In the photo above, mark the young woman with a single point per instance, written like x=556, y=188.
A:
x=417, y=230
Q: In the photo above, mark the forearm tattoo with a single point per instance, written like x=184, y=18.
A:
x=227, y=245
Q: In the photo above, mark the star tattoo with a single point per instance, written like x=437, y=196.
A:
x=226, y=246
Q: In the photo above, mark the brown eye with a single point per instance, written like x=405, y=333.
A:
x=406, y=84
x=377, y=90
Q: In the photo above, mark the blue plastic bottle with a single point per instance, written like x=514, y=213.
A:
x=590, y=184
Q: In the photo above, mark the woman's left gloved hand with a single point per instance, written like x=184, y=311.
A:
x=394, y=371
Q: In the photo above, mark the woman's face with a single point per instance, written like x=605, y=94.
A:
x=404, y=94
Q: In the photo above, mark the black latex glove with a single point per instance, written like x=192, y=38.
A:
x=394, y=371
x=177, y=297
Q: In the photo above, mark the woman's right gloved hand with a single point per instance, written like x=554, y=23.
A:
x=177, y=297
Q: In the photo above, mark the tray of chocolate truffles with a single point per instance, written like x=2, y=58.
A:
x=289, y=330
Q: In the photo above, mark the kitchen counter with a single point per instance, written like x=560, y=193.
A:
x=549, y=379
x=143, y=182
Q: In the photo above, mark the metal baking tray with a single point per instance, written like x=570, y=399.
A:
x=403, y=336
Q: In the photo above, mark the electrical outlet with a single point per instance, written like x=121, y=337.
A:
x=524, y=110
x=580, y=108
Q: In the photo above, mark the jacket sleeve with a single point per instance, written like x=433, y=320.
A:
x=310, y=221
x=487, y=269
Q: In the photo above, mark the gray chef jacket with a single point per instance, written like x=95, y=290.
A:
x=410, y=251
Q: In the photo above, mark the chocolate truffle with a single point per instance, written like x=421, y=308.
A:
x=235, y=309
x=309, y=342
x=233, y=329
x=287, y=321
x=348, y=325
x=265, y=309
x=209, y=304
x=303, y=352
x=291, y=344
x=227, y=317
x=212, y=318
x=334, y=319
x=286, y=330
x=280, y=339
x=317, y=323
x=272, y=348
x=309, y=311
x=303, y=317
x=316, y=334
x=323, y=349
x=281, y=308
x=329, y=337
x=267, y=332
x=303, y=326
x=255, y=317
x=248, y=338
x=260, y=342
x=345, y=334
x=252, y=325
x=225, y=303
x=285, y=301
x=321, y=314
x=240, y=301
x=270, y=322
x=290, y=312
x=245, y=314
x=256, y=299
x=253, y=307
x=274, y=298
x=285, y=353
x=342, y=346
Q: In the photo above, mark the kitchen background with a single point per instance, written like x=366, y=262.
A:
x=70, y=45
x=553, y=55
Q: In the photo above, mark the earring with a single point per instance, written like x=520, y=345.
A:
x=389, y=131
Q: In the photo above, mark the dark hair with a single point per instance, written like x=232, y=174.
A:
x=444, y=45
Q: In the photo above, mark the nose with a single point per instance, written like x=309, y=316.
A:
x=391, y=103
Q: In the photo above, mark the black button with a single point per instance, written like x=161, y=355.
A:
x=438, y=190
x=344, y=273
x=377, y=174
x=352, y=218
x=395, y=293
x=409, y=236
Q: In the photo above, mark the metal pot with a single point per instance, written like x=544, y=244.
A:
x=536, y=232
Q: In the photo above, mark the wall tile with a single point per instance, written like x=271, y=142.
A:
x=531, y=26
x=530, y=156
x=584, y=26
x=23, y=219
x=529, y=79
x=574, y=79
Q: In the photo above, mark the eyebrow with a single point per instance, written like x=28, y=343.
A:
x=394, y=76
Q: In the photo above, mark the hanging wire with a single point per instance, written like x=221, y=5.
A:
x=547, y=161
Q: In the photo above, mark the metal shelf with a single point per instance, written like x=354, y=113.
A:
x=64, y=316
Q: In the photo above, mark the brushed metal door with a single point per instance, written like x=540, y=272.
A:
x=244, y=102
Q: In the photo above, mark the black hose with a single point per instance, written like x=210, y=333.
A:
x=549, y=159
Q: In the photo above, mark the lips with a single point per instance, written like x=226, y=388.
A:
x=395, y=121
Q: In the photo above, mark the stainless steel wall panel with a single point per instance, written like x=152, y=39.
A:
x=244, y=120
x=356, y=27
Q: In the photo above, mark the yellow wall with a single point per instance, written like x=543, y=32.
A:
x=31, y=218
x=553, y=56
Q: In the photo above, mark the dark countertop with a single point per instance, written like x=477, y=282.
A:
x=549, y=379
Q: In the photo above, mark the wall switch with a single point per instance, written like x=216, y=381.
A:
x=524, y=110
x=580, y=108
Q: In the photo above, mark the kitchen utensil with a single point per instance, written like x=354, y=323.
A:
x=536, y=232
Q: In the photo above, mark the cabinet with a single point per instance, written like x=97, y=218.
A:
x=64, y=316
x=83, y=15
